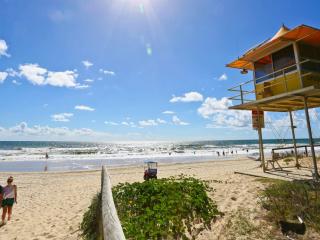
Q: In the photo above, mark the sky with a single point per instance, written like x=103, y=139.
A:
x=135, y=70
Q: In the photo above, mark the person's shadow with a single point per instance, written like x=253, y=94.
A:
x=2, y=224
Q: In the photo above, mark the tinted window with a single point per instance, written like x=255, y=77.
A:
x=307, y=54
x=283, y=59
x=263, y=69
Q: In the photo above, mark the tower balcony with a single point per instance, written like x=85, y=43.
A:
x=282, y=90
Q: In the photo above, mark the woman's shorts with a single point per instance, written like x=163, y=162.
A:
x=7, y=202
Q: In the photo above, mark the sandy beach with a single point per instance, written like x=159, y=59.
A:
x=120, y=85
x=51, y=205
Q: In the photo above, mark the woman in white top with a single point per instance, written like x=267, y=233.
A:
x=9, y=196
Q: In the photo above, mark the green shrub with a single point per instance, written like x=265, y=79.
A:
x=287, y=200
x=92, y=219
x=172, y=208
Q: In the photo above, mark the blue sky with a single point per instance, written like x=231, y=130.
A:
x=132, y=69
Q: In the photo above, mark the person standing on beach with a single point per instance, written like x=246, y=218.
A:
x=0, y=195
x=9, y=195
x=46, y=166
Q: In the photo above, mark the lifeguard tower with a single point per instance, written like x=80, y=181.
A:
x=286, y=78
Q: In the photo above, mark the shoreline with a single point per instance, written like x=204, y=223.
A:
x=129, y=167
x=93, y=165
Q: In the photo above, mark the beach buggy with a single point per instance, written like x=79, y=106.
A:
x=150, y=170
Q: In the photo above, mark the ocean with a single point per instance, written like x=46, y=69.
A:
x=29, y=156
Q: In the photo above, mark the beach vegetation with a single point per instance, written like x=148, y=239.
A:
x=286, y=200
x=169, y=208
x=288, y=160
x=91, y=225
x=268, y=181
x=240, y=226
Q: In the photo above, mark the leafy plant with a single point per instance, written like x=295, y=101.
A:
x=171, y=208
x=287, y=200
x=92, y=219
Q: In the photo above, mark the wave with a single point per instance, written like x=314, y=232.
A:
x=69, y=156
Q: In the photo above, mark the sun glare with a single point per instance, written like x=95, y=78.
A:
x=137, y=10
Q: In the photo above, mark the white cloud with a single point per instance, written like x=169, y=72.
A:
x=24, y=132
x=223, y=77
x=33, y=73
x=3, y=76
x=16, y=82
x=230, y=119
x=188, y=97
x=84, y=131
x=128, y=124
x=221, y=117
x=89, y=80
x=19, y=128
x=84, y=86
x=281, y=121
x=161, y=121
x=177, y=121
x=107, y=72
x=40, y=76
x=212, y=105
x=132, y=124
x=87, y=64
x=12, y=73
x=3, y=48
x=168, y=112
x=62, y=79
x=151, y=122
x=84, y=108
x=111, y=123
x=146, y=123
x=125, y=123
x=61, y=117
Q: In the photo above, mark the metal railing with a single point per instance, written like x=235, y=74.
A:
x=244, y=92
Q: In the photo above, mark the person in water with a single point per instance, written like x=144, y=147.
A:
x=9, y=196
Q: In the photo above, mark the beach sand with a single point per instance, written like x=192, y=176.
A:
x=51, y=205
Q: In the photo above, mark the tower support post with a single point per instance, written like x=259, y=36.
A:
x=313, y=154
x=294, y=140
x=261, y=143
